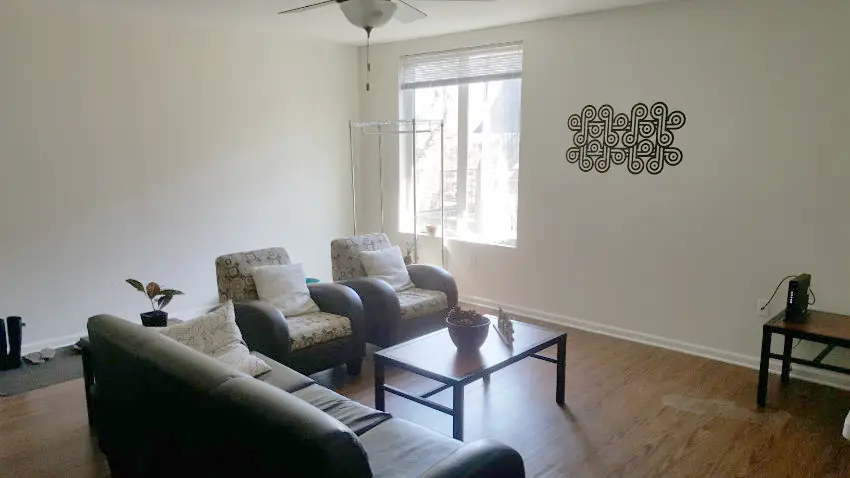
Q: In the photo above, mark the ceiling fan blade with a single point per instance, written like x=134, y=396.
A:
x=407, y=13
x=307, y=7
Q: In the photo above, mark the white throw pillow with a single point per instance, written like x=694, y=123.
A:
x=217, y=335
x=284, y=287
x=387, y=265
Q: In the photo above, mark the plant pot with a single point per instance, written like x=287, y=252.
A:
x=155, y=318
x=468, y=336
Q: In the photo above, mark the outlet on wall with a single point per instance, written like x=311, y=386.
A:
x=762, y=309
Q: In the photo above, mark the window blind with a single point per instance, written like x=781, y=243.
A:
x=468, y=65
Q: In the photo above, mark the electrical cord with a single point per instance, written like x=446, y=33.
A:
x=777, y=290
x=814, y=299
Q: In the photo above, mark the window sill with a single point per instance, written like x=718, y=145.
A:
x=466, y=240
x=508, y=244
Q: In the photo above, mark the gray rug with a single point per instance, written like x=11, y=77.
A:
x=67, y=365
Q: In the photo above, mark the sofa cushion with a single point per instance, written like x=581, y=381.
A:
x=420, y=302
x=282, y=376
x=399, y=449
x=359, y=418
x=316, y=328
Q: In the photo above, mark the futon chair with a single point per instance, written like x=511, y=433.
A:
x=307, y=343
x=392, y=317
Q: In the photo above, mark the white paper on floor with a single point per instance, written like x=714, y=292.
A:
x=40, y=357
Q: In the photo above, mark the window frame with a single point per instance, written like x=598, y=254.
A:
x=407, y=108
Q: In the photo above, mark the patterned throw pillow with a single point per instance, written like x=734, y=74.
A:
x=217, y=335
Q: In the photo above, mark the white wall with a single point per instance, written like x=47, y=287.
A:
x=677, y=259
x=138, y=146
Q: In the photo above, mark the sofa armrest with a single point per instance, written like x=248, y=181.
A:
x=264, y=329
x=380, y=306
x=434, y=278
x=480, y=459
x=341, y=300
x=377, y=296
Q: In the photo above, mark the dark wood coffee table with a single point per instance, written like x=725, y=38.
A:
x=436, y=357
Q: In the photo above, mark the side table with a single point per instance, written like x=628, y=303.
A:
x=832, y=330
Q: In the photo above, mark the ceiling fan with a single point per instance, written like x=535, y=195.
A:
x=370, y=14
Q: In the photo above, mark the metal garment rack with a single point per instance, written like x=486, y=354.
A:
x=380, y=129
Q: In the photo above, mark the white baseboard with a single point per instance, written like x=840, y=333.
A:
x=64, y=341
x=800, y=372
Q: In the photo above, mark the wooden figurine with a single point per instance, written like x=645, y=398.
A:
x=505, y=327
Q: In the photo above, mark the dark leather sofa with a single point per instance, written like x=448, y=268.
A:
x=164, y=409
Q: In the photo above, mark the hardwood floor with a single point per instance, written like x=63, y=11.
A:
x=45, y=433
x=632, y=411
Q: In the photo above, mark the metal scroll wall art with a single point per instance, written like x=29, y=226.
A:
x=642, y=140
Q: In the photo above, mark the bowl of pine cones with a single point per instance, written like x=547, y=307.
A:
x=467, y=328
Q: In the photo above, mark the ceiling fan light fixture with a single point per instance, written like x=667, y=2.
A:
x=368, y=13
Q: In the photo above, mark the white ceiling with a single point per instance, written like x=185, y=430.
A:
x=328, y=22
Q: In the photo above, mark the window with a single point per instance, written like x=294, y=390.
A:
x=477, y=93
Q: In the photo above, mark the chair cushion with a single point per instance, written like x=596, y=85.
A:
x=387, y=265
x=233, y=272
x=398, y=448
x=284, y=286
x=419, y=302
x=316, y=328
x=359, y=418
x=345, y=254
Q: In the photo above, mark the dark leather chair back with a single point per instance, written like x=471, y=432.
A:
x=164, y=409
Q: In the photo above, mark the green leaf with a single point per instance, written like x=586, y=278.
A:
x=152, y=289
x=137, y=285
x=163, y=301
x=171, y=292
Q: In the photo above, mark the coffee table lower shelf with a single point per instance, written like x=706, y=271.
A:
x=457, y=384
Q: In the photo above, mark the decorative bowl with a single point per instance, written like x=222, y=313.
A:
x=468, y=329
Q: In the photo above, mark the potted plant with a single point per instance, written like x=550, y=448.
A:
x=467, y=328
x=410, y=249
x=159, y=298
